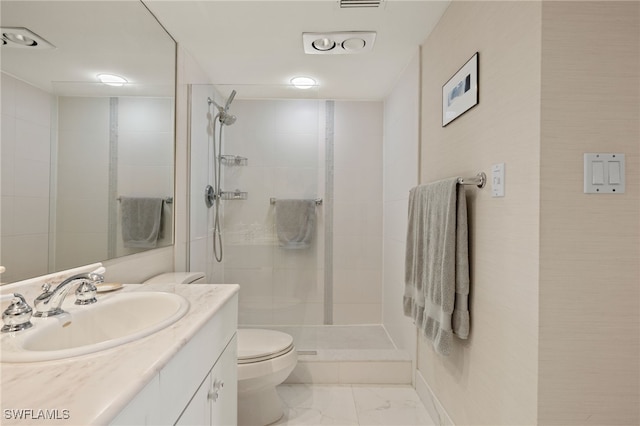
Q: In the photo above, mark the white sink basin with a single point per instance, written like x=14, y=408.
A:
x=112, y=321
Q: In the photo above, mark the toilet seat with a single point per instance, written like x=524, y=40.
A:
x=257, y=345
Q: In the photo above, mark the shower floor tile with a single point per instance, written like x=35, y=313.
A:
x=352, y=405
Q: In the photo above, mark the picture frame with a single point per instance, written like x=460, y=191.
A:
x=460, y=92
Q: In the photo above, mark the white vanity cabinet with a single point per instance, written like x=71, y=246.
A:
x=215, y=402
x=198, y=386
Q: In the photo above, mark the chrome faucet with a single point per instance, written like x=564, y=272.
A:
x=49, y=302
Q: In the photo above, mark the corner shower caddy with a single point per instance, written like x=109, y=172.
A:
x=210, y=193
x=233, y=160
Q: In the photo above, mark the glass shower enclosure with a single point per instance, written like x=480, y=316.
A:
x=275, y=150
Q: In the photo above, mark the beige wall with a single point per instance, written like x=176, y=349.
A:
x=491, y=378
x=555, y=302
x=589, y=355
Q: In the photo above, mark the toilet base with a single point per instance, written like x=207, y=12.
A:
x=259, y=408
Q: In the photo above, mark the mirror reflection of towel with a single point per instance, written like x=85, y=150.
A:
x=295, y=223
x=141, y=220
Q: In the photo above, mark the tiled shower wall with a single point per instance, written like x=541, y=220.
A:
x=284, y=141
x=38, y=130
x=142, y=143
x=25, y=152
x=357, y=216
x=284, y=144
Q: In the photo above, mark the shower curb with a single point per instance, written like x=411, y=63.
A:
x=389, y=367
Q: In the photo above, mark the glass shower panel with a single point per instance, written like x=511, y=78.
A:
x=283, y=141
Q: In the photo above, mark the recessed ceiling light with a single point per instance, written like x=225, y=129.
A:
x=303, y=82
x=112, y=80
x=323, y=44
x=20, y=37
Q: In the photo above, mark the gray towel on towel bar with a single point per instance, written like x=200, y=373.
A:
x=437, y=262
x=295, y=223
x=141, y=221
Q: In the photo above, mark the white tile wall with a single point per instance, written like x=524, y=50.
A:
x=284, y=142
x=201, y=172
x=82, y=181
x=25, y=155
x=357, y=216
x=145, y=168
x=401, y=141
x=145, y=156
x=285, y=152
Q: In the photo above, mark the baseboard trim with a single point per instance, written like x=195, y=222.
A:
x=431, y=402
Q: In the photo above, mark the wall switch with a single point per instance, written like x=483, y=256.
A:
x=597, y=170
x=497, y=180
x=604, y=173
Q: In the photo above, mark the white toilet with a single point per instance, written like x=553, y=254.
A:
x=265, y=359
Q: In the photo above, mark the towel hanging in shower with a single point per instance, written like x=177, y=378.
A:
x=295, y=223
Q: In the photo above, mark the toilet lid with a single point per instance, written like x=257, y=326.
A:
x=256, y=345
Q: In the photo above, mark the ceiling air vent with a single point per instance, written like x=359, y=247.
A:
x=360, y=3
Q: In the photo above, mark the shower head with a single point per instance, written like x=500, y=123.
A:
x=233, y=95
x=223, y=116
x=227, y=119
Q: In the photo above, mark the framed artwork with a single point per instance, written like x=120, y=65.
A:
x=460, y=93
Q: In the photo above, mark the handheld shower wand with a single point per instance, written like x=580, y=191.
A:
x=231, y=96
x=223, y=115
x=213, y=194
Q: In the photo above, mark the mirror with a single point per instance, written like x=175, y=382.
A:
x=87, y=168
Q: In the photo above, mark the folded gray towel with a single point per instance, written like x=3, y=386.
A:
x=141, y=221
x=437, y=262
x=295, y=223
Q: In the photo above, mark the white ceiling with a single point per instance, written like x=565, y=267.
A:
x=90, y=37
x=256, y=46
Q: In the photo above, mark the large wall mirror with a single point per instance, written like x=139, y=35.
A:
x=87, y=166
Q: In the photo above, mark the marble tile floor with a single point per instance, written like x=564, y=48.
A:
x=307, y=404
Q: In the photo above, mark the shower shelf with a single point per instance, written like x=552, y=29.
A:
x=234, y=195
x=234, y=160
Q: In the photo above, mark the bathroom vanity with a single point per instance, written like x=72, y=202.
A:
x=185, y=373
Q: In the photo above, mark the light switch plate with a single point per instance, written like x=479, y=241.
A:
x=497, y=180
x=604, y=173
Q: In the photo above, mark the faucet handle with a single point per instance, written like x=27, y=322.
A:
x=86, y=293
x=17, y=316
x=46, y=293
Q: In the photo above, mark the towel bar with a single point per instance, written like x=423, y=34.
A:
x=167, y=200
x=479, y=180
x=272, y=200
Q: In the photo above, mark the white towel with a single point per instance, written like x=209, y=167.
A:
x=141, y=221
x=295, y=223
x=437, y=262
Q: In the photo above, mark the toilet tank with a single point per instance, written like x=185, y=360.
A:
x=177, y=277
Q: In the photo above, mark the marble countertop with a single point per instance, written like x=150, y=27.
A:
x=94, y=388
